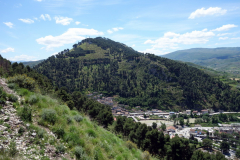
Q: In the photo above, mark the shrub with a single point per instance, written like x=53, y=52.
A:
x=91, y=133
x=21, y=130
x=26, y=113
x=12, y=98
x=11, y=85
x=146, y=155
x=98, y=154
x=33, y=99
x=60, y=149
x=49, y=115
x=73, y=139
x=23, y=81
x=78, y=118
x=79, y=152
x=59, y=131
x=13, y=149
x=131, y=145
x=40, y=133
x=69, y=119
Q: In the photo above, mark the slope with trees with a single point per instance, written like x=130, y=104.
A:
x=138, y=79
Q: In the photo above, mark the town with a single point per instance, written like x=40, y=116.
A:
x=190, y=128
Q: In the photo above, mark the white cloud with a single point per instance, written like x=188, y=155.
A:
x=170, y=40
x=7, y=50
x=225, y=27
x=236, y=38
x=63, y=20
x=46, y=16
x=35, y=18
x=133, y=45
x=22, y=58
x=155, y=51
x=39, y=0
x=42, y=17
x=223, y=38
x=223, y=34
x=110, y=31
x=204, y=30
x=54, y=54
x=69, y=37
x=29, y=21
x=77, y=22
x=9, y=24
x=204, y=12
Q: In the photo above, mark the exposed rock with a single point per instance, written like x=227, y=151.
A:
x=24, y=142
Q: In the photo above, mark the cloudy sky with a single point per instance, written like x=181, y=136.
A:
x=37, y=29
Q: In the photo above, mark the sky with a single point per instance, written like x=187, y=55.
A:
x=37, y=29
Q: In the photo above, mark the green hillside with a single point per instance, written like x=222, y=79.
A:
x=80, y=128
x=219, y=59
x=148, y=81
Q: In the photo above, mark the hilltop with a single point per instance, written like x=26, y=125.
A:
x=225, y=59
x=137, y=79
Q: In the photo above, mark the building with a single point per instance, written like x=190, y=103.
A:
x=188, y=112
x=205, y=111
x=170, y=129
x=195, y=112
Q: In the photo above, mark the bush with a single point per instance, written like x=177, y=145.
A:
x=12, y=98
x=40, y=133
x=69, y=119
x=49, y=115
x=33, y=99
x=146, y=155
x=13, y=149
x=91, y=133
x=21, y=130
x=79, y=152
x=26, y=113
x=11, y=85
x=131, y=145
x=60, y=149
x=23, y=81
x=78, y=118
x=59, y=131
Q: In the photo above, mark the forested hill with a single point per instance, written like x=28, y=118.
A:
x=221, y=59
x=148, y=81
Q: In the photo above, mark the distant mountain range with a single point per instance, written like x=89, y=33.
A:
x=225, y=59
x=30, y=63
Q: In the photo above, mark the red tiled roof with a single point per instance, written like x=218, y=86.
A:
x=171, y=127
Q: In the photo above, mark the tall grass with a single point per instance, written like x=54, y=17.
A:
x=84, y=138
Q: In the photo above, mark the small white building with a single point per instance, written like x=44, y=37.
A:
x=188, y=112
x=205, y=111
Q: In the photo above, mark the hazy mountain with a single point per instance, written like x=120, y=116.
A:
x=220, y=59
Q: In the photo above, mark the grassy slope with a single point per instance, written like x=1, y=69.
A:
x=94, y=140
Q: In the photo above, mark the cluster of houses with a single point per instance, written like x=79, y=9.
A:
x=120, y=109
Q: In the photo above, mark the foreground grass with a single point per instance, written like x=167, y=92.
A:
x=78, y=135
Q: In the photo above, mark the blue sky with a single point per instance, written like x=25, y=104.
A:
x=37, y=29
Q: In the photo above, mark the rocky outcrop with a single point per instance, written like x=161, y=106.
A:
x=29, y=143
